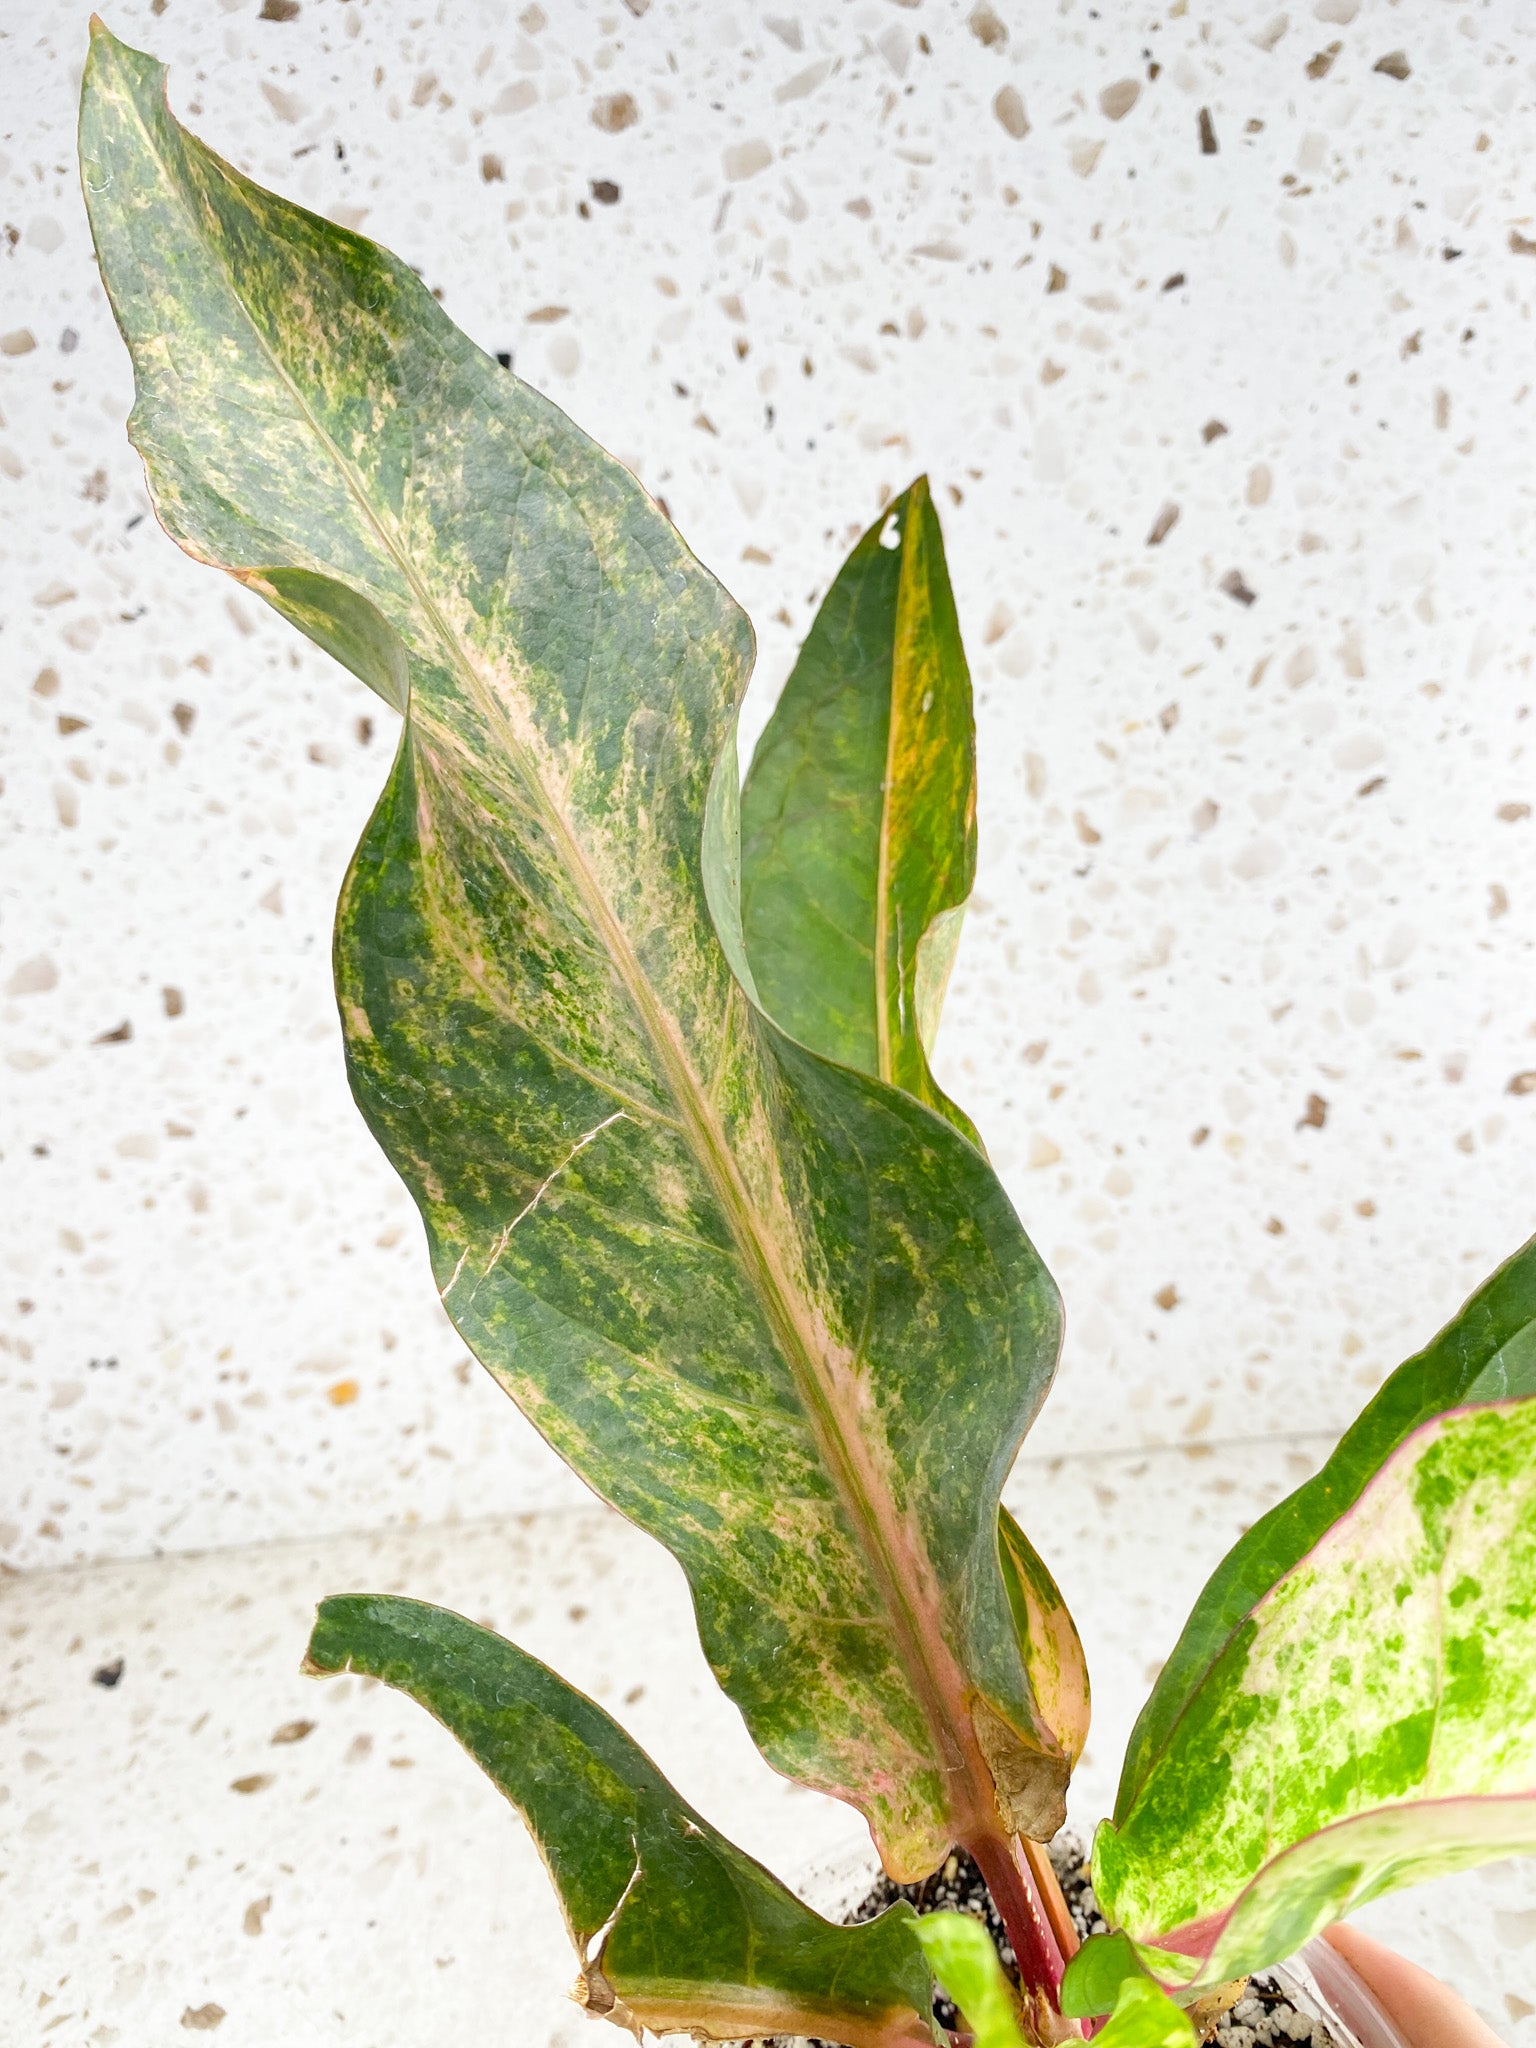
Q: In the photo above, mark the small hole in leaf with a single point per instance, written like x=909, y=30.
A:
x=890, y=533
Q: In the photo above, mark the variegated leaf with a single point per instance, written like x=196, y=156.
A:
x=675, y=1928
x=1052, y=1648
x=1369, y=1725
x=1487, y=1352
x=781, y=1314
x=858, y=814
x=858, y=850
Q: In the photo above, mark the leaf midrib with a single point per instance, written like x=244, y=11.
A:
x=709, y=1143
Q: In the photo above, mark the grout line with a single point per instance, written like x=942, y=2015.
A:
x=1199, y=1448
x=520, y=1518
x=527, y=1518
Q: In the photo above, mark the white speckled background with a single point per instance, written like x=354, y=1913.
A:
x=1234, y=856
x=1250, y=974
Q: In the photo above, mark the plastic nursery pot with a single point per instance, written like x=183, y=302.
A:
x=1322, y=1983
x=1319, y=1982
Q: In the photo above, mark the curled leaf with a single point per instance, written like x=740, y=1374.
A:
x=858, y=814
x=675, y=1928
x=1052, y=1648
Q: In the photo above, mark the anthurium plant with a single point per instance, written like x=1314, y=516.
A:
x=651, y=1047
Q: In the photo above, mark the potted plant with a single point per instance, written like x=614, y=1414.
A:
x=651, y=1050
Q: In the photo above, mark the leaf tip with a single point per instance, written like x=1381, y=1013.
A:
x=322, y=1656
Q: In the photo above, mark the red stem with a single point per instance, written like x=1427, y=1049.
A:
x=1018, y=1900
x=1057, y=1912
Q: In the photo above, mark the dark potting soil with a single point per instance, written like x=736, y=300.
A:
x=1264, y=2017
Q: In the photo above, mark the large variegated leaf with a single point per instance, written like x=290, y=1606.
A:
x=675, y=1928
x=1369, y=1725
x=1486, y=1353
x=858, y=849
x=858, y=814
x=780, y=1313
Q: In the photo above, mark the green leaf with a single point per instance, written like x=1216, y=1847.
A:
x=781, y=1314
x=1487, y=1353
x=1367, y=1727
x=963, y=1959
x=858, y=815
x=1093, y=1978
x=1146, y=2017
x=1105, y=1976
x=675, y=1928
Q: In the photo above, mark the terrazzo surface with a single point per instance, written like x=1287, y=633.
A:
x=1244, y=1005
x=1212, y=327
x=318, y=1863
